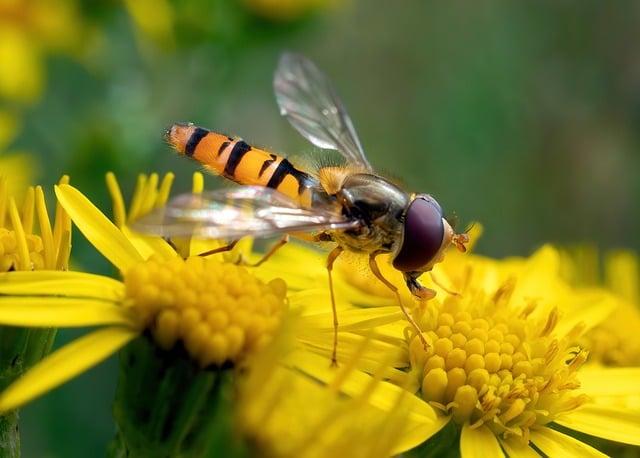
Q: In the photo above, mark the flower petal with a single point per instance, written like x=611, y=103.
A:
x=516, y=449
x=554, y=443
x=355, y=382
x=614, y=423
x=591, y=308
x=597, y=381
x=68, y=284
x=61, y=312
x=416, y=433
x=97, y=228
x=479, y=442
x=65, y=364
x=148, y=246
x=355, y=318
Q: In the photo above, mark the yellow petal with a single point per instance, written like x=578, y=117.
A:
x=416, y=433
x=354, y=319
x=322, y=343
x=614, y=381
x=47, y=275
x=614, y=423
x=97, y=228
x=591, y=308
x=65, y=364
x=516, y=449
x=554, y=443
x=383, y=395
x=149, y=246
x=61, y=312
x=69, y=284
x=479, y=442
x=117, y=201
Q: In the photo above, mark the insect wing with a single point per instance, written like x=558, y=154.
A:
x=234, y=213
x=310, y=103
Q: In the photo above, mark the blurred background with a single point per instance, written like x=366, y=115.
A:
x=520, y=115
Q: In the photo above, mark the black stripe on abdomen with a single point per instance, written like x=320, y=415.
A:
x=198, y=134
x=286, y=168
x=235, y=156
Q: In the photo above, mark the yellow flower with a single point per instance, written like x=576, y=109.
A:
x=282, y=412
x=613, y=342
x=158, y=27
x=150, y=192
x=21, y=247
x=28, y=30
x=501, y=362
x=219, y=311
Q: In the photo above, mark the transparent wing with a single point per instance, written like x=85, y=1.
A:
x=310, y=103
x=236, y=212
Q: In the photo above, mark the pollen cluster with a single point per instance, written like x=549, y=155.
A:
x=10, y=252
x=491, y=363
x=219, y=311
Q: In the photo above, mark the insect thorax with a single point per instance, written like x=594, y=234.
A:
x=379, y=205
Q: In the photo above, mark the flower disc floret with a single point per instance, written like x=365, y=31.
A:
x=10, y=252
x=490, y=363
x=219, y=311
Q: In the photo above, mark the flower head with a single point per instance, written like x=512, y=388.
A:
x=613, y=341
x=27, y=31
x=501, y=362
x=219, y=312
x=22, y=247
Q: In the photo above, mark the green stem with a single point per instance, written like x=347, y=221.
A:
x=9, y=436
x=168, y=406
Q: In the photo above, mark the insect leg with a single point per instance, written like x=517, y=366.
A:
x=376, y=271
x=222, y=249
x=330, y=260
x=276, y=246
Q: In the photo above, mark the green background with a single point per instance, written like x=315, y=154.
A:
x=520, y=115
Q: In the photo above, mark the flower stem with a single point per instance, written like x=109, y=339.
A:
x=9, y=436
x=168, y=406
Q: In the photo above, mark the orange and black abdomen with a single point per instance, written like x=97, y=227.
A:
x=242, y=163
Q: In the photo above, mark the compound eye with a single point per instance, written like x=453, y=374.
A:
x=423, y=235
x=431, y=200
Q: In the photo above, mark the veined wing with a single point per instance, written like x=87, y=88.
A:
x=236, y=212
x=310, y=103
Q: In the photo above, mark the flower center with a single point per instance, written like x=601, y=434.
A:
x=10, y=252
x=491, y=363
x=219, y=311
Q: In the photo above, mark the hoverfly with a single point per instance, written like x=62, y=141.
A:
x=349, y=204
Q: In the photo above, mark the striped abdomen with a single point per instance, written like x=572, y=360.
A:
x=242, y=163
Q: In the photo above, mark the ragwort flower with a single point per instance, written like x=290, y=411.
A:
x=613, y=342
x=218, y=311
x=24, y=249
x=502, y=364
x=29, y=30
